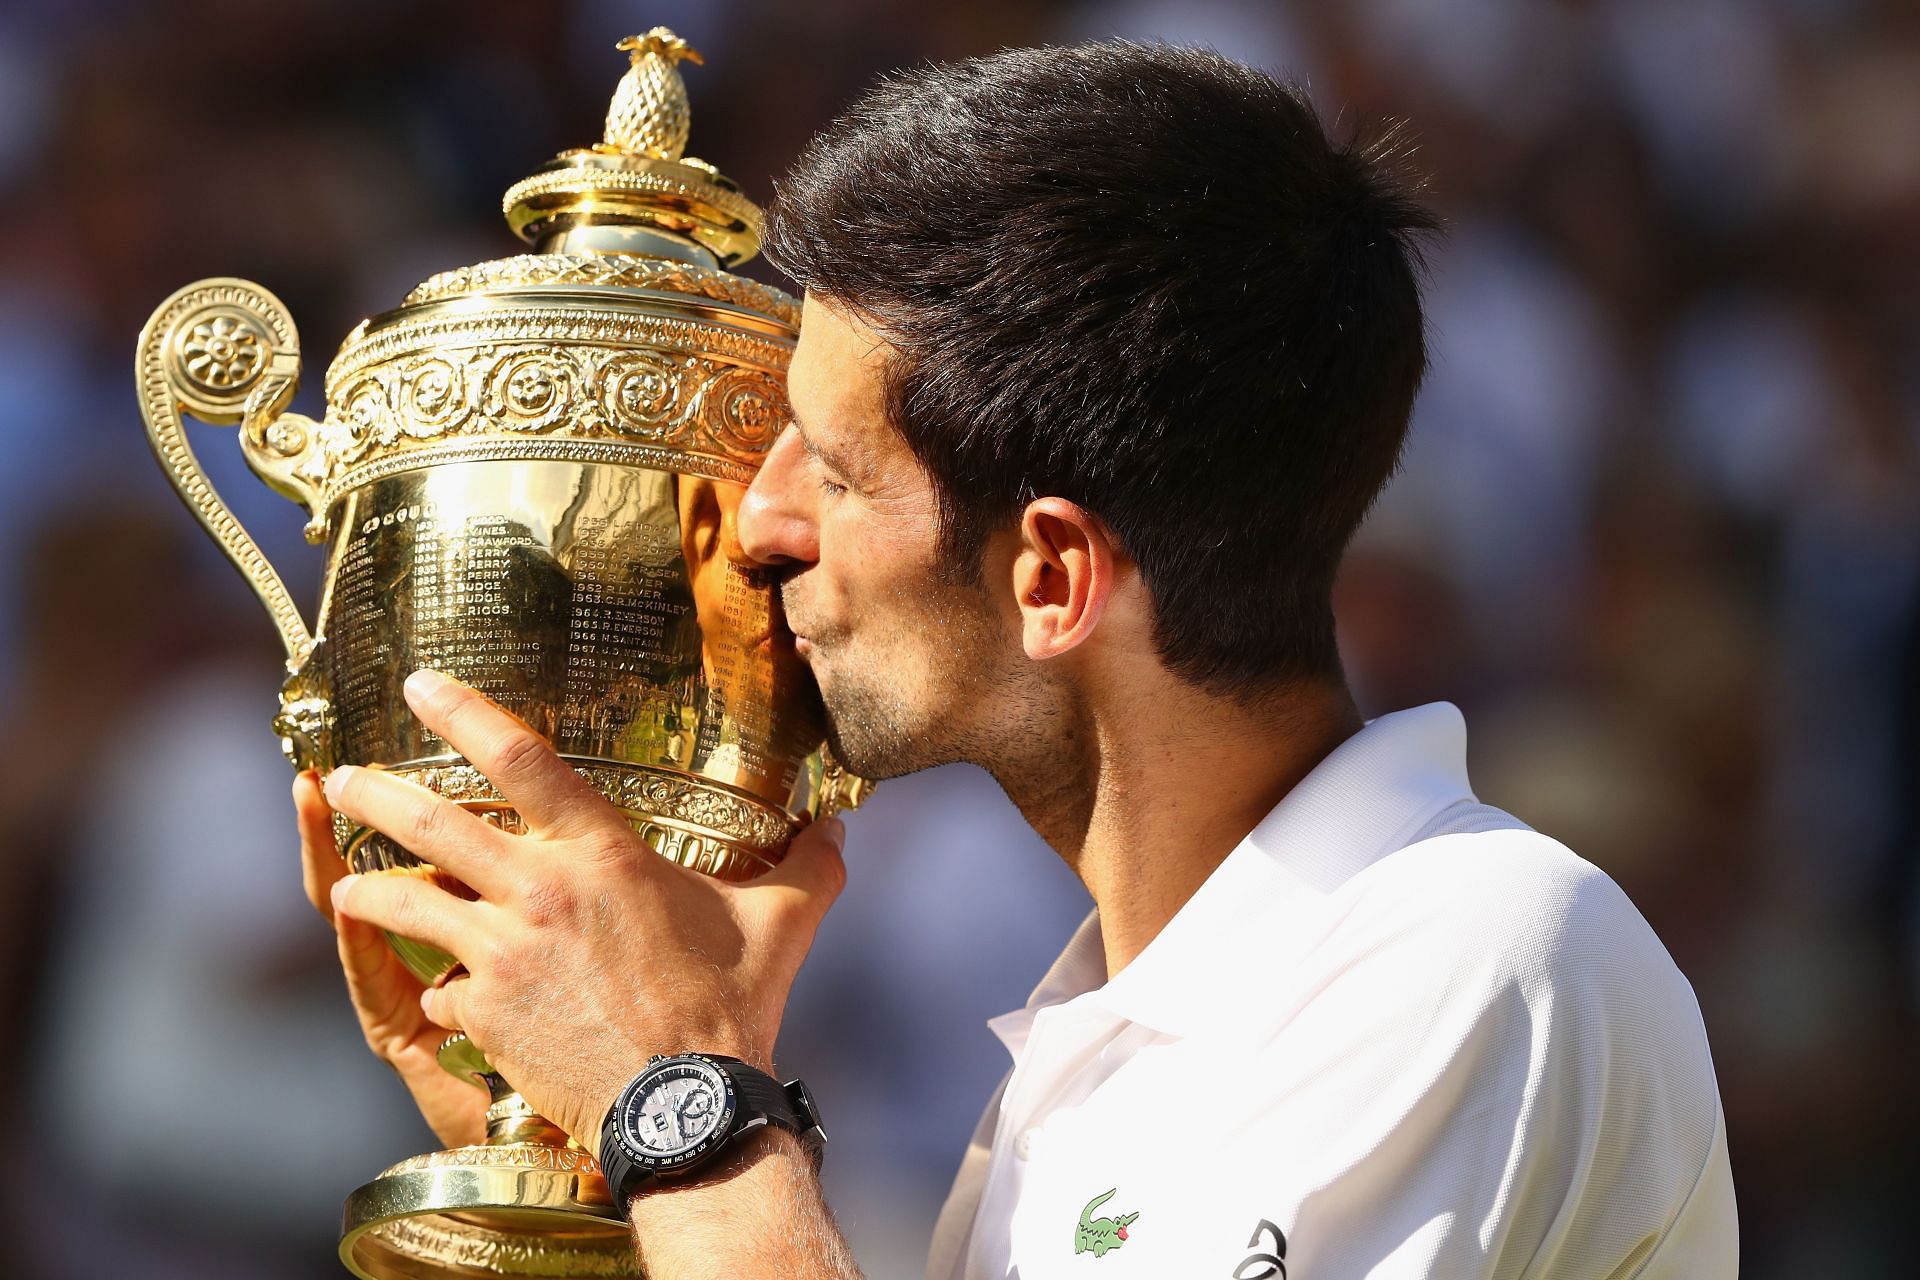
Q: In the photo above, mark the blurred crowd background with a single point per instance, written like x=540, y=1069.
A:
x=1657, y=534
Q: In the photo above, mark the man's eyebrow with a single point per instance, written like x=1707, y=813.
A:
x=814, y=451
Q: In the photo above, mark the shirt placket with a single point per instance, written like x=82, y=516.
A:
x=1062, y=1042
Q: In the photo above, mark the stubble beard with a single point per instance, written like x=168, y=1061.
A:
x=1028, y=736
x=956, y=687
x=924, y=702
x=868, y=736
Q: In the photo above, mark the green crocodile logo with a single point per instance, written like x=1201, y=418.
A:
x=1098, y=1235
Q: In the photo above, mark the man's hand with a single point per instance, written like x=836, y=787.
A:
x=585, y=952
x=385, y=993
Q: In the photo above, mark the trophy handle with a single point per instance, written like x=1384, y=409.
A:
x=226, y=351
x=839, y=790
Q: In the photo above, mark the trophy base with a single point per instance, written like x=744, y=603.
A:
x=503, y=1210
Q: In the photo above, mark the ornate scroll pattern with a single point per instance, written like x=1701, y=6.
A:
x=653, y=793
x=445, y=331
x=519, y=1155
x=305, y=722
x=209, y=349
x=643, y=394
x=547, y=448
x=529, y=390
x=697, y=824
x=223, y=350
x=478, y=1251
x=745, y=410
x=610, y=271
x=688, y=184
x=689, y=403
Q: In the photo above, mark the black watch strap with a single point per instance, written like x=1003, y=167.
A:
x=623, y=1178
x=788, y=1105
x=759, y=1100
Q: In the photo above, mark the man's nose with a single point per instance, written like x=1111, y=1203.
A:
x=776, y=521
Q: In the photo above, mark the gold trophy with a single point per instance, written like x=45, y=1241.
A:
x=527, y=476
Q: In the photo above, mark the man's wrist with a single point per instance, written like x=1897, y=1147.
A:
x=717, y=1110
x=768, y=1151
x=760, y=1213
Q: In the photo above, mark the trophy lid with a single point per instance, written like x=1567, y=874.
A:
x=621, y=338
x=636, y=190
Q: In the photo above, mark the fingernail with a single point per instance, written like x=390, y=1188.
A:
x=423, y=684
x=341, y=888
x=335, y=783
x=836, y=832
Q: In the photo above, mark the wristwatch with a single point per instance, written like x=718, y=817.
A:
x=682, y=1111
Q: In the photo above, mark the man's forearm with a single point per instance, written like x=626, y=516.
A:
x=762, y=1215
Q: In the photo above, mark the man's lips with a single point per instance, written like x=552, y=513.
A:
x=802, y=642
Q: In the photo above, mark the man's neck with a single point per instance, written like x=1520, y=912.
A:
x=1166, y=787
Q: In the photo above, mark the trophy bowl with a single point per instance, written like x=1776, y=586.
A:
x=528, y=476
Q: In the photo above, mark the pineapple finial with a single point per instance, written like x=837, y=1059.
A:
x=649, y=114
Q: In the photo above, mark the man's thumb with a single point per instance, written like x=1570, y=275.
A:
x=812, y=874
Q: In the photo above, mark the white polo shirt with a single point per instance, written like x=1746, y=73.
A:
x=1395, y=1034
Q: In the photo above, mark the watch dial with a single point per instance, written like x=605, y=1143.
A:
x=677, y=1107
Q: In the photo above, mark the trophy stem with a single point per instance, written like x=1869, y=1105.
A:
x=527, y=1201
x=511, y=1120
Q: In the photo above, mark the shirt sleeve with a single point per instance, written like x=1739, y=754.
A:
x=1702, y=1239
x=1495, y=1070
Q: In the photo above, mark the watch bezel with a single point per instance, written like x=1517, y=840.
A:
x=642, y=1084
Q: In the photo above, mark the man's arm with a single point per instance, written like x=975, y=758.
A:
x=763, y=1213
x=585, y=953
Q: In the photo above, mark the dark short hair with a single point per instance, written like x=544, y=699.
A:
x=1141, y=278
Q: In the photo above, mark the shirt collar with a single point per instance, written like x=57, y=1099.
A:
x=1081, y=968
x=1374, y=794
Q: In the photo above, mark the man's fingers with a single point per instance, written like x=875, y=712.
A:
x=320, y=861
x=445, y=1004
x=410, y=906
x=428, y=826
x=381, y=986
x=551, y=797
x=799, y=890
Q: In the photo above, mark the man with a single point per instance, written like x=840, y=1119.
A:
x=1106, y=352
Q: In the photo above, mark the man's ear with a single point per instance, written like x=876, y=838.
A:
x=1063, y=575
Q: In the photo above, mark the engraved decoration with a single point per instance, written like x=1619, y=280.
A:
x=305, y=720
x=530, y=390
x=745, y=410
x=649, y=114
x=433, y=398
x=476, y=1251
x=707, y=409
x=222, y=350
x=609, y=271
x=558, y=1159
x=209, y=350
x=641, y=395
x=687, y=820
x=670, y=796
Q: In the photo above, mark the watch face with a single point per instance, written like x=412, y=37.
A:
x=677, y=1107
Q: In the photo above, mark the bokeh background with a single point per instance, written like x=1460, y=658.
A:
x=1657, y=534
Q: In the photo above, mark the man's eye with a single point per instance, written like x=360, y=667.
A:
x=831, y=488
